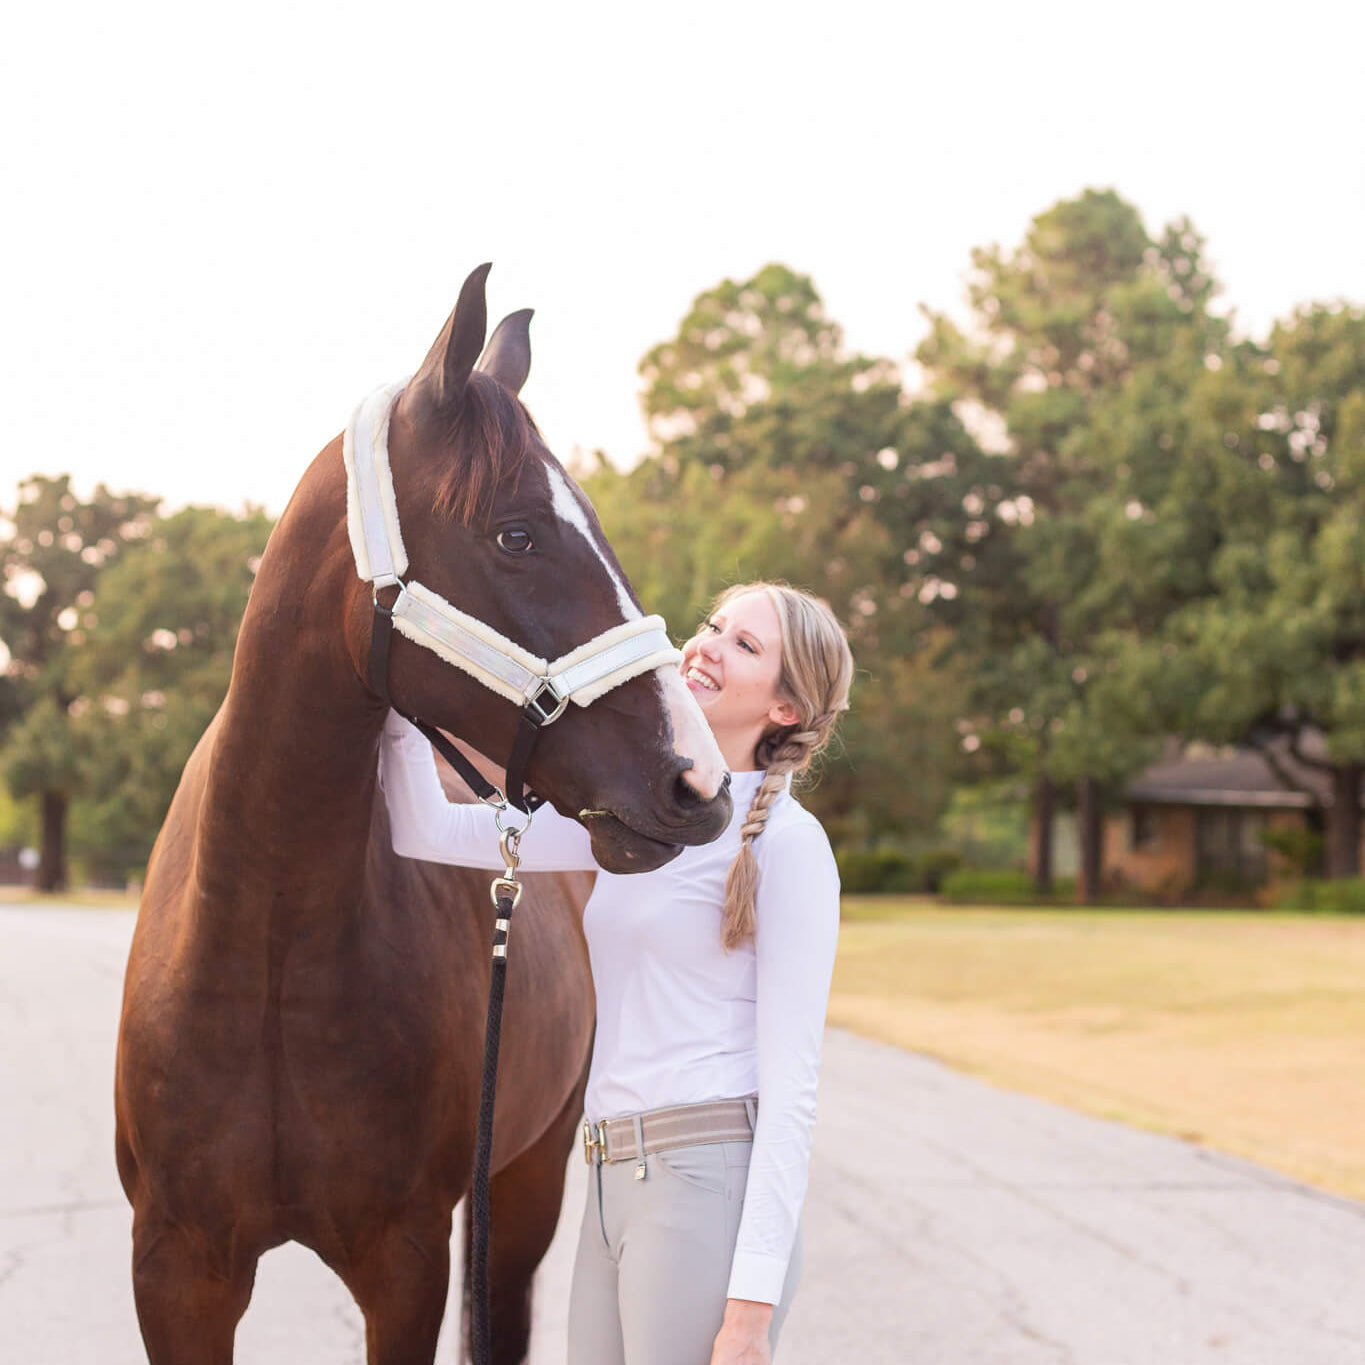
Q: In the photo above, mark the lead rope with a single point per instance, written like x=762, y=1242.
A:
x=506, y=892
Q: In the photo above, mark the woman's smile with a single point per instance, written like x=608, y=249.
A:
x=699, y=681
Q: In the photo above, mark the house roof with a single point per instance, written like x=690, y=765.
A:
x=1198, y=774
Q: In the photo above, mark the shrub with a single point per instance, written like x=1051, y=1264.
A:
x=868, y=870
x=1302, y=849
x=934, y=864
x=1341, y=895
x=1225, y=884
x=1001, y=887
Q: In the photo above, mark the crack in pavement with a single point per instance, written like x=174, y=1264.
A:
x=1281, y=1184
x=11, y=1263
x=926, y=1229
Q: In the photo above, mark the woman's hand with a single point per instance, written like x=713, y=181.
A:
x=743, y=1335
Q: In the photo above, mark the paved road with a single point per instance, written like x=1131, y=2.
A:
x=948, y=1223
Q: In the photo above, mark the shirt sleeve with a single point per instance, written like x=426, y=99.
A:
x=424, y=823
x=797, y=911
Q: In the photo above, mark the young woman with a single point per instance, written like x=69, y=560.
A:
x=712, y=976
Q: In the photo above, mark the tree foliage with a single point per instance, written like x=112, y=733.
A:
x=1102, y=522
x=51, y=561
x=1085, y=311
x=792, y=459
x=121, y=627
x=1264, y=529
x=155, y=668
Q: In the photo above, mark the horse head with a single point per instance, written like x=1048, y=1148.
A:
x=493, y=524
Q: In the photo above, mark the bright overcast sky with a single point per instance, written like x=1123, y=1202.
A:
x=225, y=224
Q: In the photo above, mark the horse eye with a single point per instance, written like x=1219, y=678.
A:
x=515, y=541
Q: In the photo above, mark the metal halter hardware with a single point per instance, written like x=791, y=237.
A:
x=561, y=701
x=542, y=688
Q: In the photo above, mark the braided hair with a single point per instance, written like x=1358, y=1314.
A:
x=817, y=670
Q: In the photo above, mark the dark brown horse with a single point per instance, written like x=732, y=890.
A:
x=303, y=1014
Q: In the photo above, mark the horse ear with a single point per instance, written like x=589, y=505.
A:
x=445, y=371
x=507, y=357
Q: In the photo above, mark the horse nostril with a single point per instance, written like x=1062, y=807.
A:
x=684, y=793
x=687, y=793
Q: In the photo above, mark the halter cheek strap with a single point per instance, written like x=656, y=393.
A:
x=543, y=689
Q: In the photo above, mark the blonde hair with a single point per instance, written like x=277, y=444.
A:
x=817, y=671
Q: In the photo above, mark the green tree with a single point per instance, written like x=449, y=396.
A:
x=1266, y=523
x=781, y=455
x=1086, y=306
x=57, y=549
x=741, y=344
x=152, y=671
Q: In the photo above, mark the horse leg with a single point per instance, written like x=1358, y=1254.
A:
x=188, y=1307
x=524, y=1199
x=400, y=1283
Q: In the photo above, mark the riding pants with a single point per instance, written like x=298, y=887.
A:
x=654, y=1254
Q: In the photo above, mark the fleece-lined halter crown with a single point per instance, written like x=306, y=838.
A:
x=581, y=676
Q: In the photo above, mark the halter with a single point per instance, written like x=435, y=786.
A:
x=542, y=688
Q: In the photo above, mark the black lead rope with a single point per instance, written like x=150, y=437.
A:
x=479, y=1335
x=506, y=893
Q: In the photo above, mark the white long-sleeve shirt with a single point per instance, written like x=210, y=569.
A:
x=679, y=1019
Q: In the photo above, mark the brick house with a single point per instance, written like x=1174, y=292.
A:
x=1192, y=821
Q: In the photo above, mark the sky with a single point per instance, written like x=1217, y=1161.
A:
x=224, y=225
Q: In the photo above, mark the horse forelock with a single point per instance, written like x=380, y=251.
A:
x=491, y=439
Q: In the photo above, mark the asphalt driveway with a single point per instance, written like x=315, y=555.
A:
x=948, y=1223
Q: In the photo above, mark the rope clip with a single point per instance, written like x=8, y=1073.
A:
x=508, y=885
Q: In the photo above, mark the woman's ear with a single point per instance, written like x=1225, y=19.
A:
x=783, y=713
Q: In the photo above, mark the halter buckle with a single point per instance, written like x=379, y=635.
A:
x=385, y=580
x=537, y=707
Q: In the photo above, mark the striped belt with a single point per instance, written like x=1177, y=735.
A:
x=679, y=1125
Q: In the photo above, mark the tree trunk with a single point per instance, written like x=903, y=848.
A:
x=1343, y=821
x=52, y=866
x=1044, y=793
x=1044, y=798
x=1090, y=830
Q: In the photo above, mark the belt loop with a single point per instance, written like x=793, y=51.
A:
x=641, y=1169
x=751, y=1109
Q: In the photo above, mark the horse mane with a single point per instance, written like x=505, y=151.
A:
x=492, y=436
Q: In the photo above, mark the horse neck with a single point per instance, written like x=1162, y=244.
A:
x=293, y=772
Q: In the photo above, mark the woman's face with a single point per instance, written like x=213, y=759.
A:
x=732, y=666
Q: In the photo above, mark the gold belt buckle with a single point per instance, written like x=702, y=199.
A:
x=600, y=1141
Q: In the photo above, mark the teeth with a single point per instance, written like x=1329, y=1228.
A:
x=701, y=678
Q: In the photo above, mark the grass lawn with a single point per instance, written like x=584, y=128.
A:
x=1241, y=1030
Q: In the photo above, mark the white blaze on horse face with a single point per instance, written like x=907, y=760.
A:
x=569, y=510
x=692, y=737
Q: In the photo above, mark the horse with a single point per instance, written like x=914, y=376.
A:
x=302, y=1027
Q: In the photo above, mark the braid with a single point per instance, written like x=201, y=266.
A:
x=791, y=751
